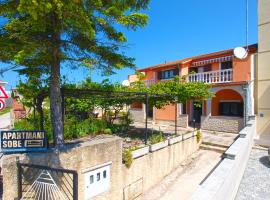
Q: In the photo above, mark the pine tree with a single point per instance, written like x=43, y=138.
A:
x=62, y=33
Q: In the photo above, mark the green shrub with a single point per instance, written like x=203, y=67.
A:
x=156, y=138
x=127, y=157
x=198, y=136
x=32, y=123
x=107, y=131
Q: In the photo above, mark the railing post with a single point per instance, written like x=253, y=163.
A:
x=19, y=167
x=146, y=118
x=75, y=186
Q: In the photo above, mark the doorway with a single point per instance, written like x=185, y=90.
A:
x=197, y=112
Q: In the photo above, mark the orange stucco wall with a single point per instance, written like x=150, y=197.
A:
x=226, y=94
x=184, y=70
x=215, y=66
x=166, y=113
x=241, y=69
x=149, y=75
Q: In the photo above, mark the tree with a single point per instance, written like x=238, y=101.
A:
x=34, y=90
x=51, y=33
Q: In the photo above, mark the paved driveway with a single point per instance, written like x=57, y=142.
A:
x=5, y=121
x=181, y=184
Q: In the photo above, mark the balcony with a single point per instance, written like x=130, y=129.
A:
x=219, y=76
x=149, y=82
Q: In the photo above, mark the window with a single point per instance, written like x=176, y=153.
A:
x=91, y=179
x=226, y=65
x=168, y=74
x=104, y=174
x=231, y=109
x=98, y=176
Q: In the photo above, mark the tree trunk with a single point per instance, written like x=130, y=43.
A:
x=40, y=112
x=55, y=90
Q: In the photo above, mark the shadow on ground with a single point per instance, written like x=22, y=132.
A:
x=265, y=161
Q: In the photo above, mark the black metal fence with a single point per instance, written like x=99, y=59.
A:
x=37, y=182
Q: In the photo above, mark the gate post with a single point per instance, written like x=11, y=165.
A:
x=75, y=186
x=19, y=180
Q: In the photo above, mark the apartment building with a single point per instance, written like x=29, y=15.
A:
x=233, y=87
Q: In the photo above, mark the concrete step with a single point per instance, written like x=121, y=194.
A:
x=213, y=148
x=215, y=144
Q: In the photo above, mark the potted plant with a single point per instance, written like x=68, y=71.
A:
x=157, y=142
x=140, y=151
x=176, y=139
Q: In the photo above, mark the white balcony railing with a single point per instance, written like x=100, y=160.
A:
x=149, y=82
x=220, y=76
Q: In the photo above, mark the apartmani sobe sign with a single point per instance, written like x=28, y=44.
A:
x=23, y=141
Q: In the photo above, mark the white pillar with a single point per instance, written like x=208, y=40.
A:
x=180, y=107
x=208, y=107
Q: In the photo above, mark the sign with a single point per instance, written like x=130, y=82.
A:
x=23, y=141
x=2, y=104
x=3, y=94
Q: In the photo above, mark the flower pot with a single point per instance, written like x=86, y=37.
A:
x=175, y=139
x=140, y=152
x=157, y=146
x=188, y=135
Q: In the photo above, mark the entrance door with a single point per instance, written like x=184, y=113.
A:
x=150, y=111
x=197, y=113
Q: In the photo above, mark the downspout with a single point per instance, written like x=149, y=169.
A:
x=245, y=88
x=176, y=104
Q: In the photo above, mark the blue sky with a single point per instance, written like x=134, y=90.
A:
x=179, y=29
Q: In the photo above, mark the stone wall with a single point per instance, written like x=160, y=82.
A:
x=125, y=183
x=182, y=121
x=137, y=115
x=222, y=123
x=77, y=157
x=150, y=169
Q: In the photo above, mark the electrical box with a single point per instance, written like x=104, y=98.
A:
x=97, y=180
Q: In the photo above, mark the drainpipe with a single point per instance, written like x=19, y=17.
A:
x=245, y=88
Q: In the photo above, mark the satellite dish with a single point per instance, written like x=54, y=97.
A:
x=126, y=83
x=240, y=53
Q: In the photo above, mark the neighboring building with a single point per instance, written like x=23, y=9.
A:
x=263, y=75
x=233, y=83
x=19, y=111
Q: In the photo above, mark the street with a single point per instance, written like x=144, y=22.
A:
x=5, y=121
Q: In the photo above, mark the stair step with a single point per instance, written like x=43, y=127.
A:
x=215, y=144
x=213, y=148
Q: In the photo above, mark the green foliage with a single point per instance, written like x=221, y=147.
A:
x=46, y=34
x=198, y=136
x=178, y=91
x=85, y=31
x=32, y=123
x=108, y=131
x=6, y=110
x=156, y=138
x=127, y=157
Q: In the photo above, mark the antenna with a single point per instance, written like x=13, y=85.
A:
x=240, y=52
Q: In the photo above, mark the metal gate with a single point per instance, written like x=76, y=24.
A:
x=44, y=183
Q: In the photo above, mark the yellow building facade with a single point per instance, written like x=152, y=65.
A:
x=263, y=74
